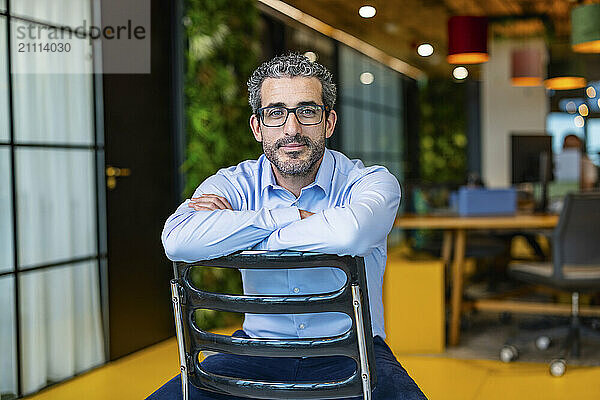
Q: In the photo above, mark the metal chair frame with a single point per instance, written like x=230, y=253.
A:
x=351, y=299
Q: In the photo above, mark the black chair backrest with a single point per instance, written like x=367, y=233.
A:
x=576, y=238
x=351, y=299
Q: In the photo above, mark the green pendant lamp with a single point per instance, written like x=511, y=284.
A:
x=565, y=69
x=585, y=28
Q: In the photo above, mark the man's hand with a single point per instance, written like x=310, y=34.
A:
x=305, y=214
x=209, y=202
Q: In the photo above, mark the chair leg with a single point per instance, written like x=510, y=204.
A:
x=543, y=339
x=185, y=385
x=585, y=331
x=576, y=345
x=575, y=324
x=178, y=314
x=570, y=348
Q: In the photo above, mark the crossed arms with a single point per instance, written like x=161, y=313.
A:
x=215, y=222
x=211, y=201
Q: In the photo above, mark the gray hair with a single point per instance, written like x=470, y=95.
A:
x=290, y=65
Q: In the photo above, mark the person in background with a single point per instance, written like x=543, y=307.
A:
x=588, y=175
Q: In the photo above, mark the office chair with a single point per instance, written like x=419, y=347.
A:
x=575, y=267
x=351, y=299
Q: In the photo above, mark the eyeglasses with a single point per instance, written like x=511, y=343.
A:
x=275, y=116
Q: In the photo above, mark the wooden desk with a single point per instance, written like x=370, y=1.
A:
x=455, y=229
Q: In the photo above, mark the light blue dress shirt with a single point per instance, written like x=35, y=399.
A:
x=354, y=208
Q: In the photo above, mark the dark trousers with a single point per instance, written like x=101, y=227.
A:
x=393, y=382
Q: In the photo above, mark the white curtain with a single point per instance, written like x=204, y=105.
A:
x=60, y=318
x=8, y=351
x=6, y=239
x=8, y=380
x=4, y=134
x=58, y=12
x=61, y=332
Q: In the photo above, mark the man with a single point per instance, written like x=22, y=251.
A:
x=301, y=196
x=588, y=174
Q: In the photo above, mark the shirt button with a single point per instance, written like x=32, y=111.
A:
x=296, y=290
x=301, y=326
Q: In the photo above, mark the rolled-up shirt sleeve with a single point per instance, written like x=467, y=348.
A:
x=190, y=235
x=354, y=228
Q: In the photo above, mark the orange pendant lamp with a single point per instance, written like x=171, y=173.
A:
x=527, y=68
x=467, y=40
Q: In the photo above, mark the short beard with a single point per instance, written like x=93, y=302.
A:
x=299, y=167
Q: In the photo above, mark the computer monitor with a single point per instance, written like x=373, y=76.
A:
x=531, y=158
x=532, y=162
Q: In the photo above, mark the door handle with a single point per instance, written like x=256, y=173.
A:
x=112, y=173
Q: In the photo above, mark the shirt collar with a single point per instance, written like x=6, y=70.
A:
x=267, y=177
x=324, y=176
x=323, y=179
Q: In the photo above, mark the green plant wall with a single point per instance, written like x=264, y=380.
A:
x=443, y=139
x=221, y=52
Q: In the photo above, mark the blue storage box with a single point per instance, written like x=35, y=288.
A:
x=476, y=201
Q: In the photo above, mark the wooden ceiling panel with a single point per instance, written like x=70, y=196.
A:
x=400, y=25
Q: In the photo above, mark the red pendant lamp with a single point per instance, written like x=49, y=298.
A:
x=467, y=40
x=527, y=68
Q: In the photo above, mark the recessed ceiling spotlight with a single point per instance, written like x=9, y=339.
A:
x=460, y=73
x=425, y=50
x=583, y=110
x=311, y=55
x=591, y=92
x=367, y=11
x=579, y=121
x=571, y=107
x=366, y=78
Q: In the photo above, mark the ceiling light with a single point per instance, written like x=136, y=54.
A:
x=583, y=110
x=366, y=78
x=347, y=39
x=467, y=40
x=571, y=107
x=591, y=92
x=425, y=50
x=367, y=11
x=579, y=121
x=585, y=30
x=565, y=83
x=527, y=69
x=312, y=56
x=565, y=70
x=460, y=73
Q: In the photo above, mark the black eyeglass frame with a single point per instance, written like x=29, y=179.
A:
x=261, y=117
